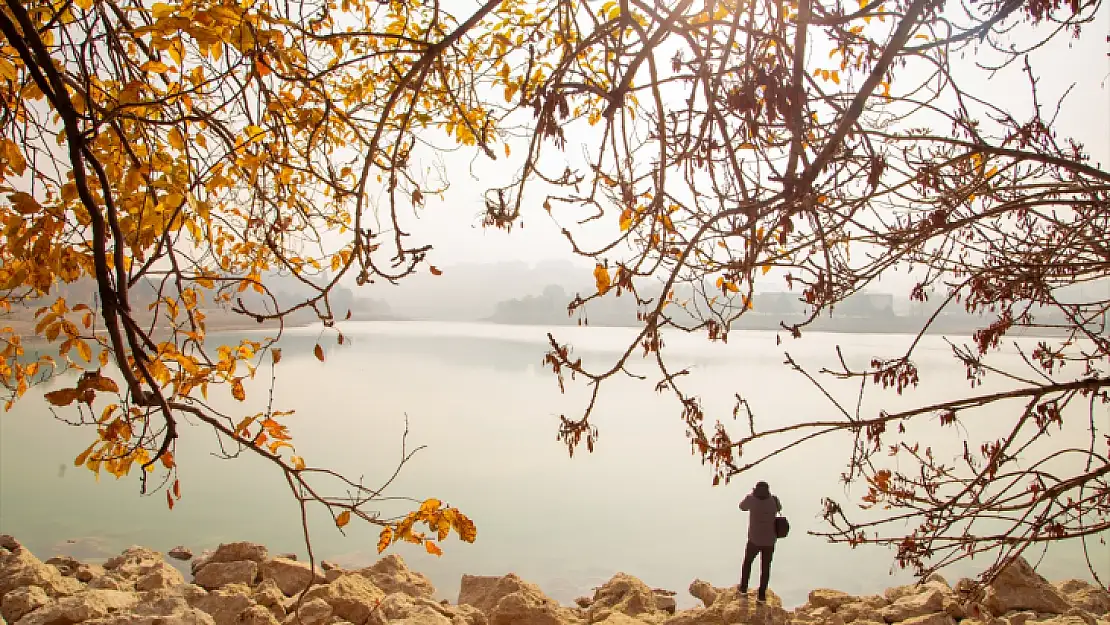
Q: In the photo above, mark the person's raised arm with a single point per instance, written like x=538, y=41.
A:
x=746, y=503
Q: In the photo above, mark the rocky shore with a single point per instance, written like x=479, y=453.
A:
x=242, y=584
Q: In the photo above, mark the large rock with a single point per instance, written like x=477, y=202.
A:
x=189, y=616
x=704, y=591
x=83, y=606
x=831, y=599
x=1019, y=587
x=529, y=607
x=403, y=608
x=158, y=575
x=257, y=615
x=623, y=593
x=729, y=606
x=134, y=562
x=1085, y=596
x=352, y=597
x=291, y=577
x=218, y=574
x=311, y=612
x=236, y=552
x=930, y=601
x=66, y=565
x=390, y=574
x=226, y=604
x=87, y=572
x=22, y=601
x=19, y=567
x=861, y=611
x=484, y=592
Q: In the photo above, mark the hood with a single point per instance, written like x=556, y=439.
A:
x=762, y=490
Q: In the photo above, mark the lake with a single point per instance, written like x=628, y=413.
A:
x=478, y=398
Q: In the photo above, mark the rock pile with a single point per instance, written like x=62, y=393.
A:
x=242, y=584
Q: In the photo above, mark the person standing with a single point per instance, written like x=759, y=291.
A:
x=762, y=507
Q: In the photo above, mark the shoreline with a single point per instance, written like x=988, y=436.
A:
x=241, y=583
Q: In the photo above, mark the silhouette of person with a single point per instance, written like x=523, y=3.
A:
x=762, y=508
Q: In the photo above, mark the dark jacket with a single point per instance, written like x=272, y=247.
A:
x=762, y=508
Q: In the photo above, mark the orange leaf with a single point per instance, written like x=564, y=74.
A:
x=167, y=460
x=435, y=270
x=432, y=548
x=601, y=276
x=297, y=462
x=177, y=489
x=169, y=499
x=237, y=389
x=61, y=397
x=276, y=354
x=319, y=351
x=385, y=538
x=343, y=518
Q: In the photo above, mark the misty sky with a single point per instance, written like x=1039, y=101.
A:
x=453, y=225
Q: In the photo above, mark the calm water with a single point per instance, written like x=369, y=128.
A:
x=478, y=398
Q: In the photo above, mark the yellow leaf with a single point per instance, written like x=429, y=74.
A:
x=319, y=351
x=297, y=462
x=176, y=139
x=84, y=4
x=80, y=460
x=430, y=506
x=765, y=269
x=601, y=276
x=626, y=219
x=160, y=10
x=992, y=171
x=385, y=538
x=432, y=548
x=343, y=518
x=84, y=351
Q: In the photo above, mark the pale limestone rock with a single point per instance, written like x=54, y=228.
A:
x=267, y=593
x=218, y=574
x=328, y=565
x=937, y=578
x=832, y=599
x=19, y=567
x=666, y=603
x=257, y=615
x=199, y=562
x=238, y=551
x=703, y=591
x=1019, y=587
x=334, y=574
x=860, y=611
x=352, y=597
x=390, y=574
x=1085, y=596
x=527, y=607
x=190, y=616
x=914, y=605
x=158, y=575
x=225, y=604
x=83, y=606
x=729, y=606
x=111, y=581
x=623, y=593
x=620, y=618
x=312, y=612
x=291, y=576
x=484, y=592
x=133, y=562
x=21, y=601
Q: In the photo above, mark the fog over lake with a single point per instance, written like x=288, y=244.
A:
x=478, y=398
